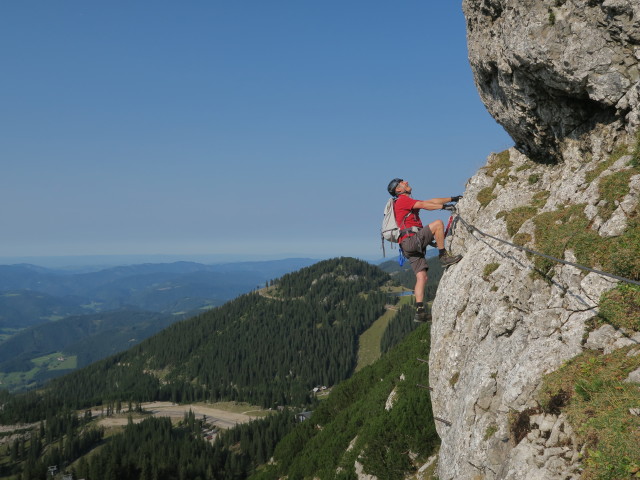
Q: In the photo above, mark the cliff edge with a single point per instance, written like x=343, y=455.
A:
x=523, y=348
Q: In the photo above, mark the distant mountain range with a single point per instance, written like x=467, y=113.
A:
x=30, y=295
x=54, y=321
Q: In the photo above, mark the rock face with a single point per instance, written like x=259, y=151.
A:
x=553, y=70
x=562, y=77
x=498, y=329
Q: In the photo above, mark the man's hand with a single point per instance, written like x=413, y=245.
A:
x=456, y=198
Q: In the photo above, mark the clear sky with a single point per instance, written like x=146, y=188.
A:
x=241, y=127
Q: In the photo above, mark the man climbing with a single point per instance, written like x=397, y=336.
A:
x=414, y=238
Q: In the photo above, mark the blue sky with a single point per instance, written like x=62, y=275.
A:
x=244, y=128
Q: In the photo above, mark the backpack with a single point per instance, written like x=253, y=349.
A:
x=390, y=230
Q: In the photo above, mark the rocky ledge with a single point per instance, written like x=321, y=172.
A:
x=551, y=70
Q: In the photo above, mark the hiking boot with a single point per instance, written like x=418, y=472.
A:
x=422, y=315
x=448, y=259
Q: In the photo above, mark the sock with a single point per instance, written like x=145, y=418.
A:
x=419, y=306
x=441, y=252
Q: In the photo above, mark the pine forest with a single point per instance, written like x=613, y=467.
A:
x=270, y=348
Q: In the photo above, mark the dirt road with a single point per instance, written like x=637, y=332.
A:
x=214, y=416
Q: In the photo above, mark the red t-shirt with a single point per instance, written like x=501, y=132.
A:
x=403, y=206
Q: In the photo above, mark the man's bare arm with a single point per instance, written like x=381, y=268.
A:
x=432, y=204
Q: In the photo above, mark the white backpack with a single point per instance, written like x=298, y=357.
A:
x=390, y=230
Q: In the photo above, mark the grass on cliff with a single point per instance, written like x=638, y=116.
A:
x=619, y=152
x=516, y=217
x=498, y=168
x=613, y=188
x=591, y=392
x=489, y=269
x=620, y=307
x=568, y=228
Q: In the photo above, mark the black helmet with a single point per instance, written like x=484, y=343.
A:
x=392, y=186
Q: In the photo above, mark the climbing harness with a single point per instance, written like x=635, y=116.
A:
x=471, y=228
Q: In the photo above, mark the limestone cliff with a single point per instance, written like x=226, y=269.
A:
x=551, y=70
x=562, y=78
x=499, y=327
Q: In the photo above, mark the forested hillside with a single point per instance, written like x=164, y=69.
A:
x=152, y=449
x=55, y=321
x=269, y=349
x=379, y=421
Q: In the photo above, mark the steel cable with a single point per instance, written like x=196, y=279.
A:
x=471, y=227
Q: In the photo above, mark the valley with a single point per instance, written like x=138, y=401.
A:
x=84, y=315
x=235, y=376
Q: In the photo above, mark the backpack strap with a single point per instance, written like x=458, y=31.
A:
x=403, y=231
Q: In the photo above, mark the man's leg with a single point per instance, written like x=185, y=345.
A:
x=421, y=310
x=437, y=228
x=421, y=283
x=414, y=251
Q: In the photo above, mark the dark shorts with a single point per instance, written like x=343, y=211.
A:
x=414, y=248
